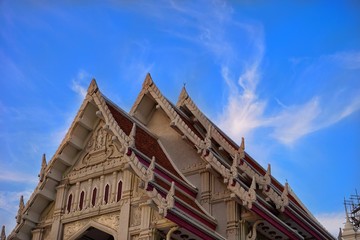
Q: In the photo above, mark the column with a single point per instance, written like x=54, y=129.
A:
x=101, y=190
x=56, y=227
x=75, y=205
x=146, y=232
x=113, y=187
x=233, y=217
x=205, y=196
x=123, y=230
x=89, y=193
x=37, y=234
x=244, y=229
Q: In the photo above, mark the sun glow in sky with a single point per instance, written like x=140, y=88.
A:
x=285, y=75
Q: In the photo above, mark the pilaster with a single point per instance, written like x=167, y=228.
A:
x=233, y=217
x=101, y=190
x=113, y=187
x=146, y=232
x=205, y=190
x=123, y=231
x=244, y=229
x=56, y=227
x=37, y=234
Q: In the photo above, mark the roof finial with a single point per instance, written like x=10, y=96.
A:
x=2, y=235
x=241, y=149
x=93, y=87
x=43, y=168
x=340, y=234
x=132, y=136
x=148, y=81
x=20, y=210
x=242, y=146
x=182, y=97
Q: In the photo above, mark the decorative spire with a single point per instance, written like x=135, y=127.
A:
x=132, y=136
x=170, y=195
x=182, y=97
x=2, y=235
x=20, y=210
x=241, y=149
x=284, y=197
x=43, y=168
x=150, y=172
x=268, y=173
x=148, y=81
x=93, y=87
x=340, y=234
x=251, y=196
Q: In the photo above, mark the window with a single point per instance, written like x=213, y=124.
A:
x=106, y=194
x=68, y=208
x=118, y=197
x=81, y=202
x=93, y=199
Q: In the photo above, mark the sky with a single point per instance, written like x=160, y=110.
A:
x=284, y=75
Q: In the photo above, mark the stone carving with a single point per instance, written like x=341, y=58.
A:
x=99, y=148
x=72, y=228
x=135, y=237
x=109, y=220
x=252, y=234
x=46, y=234
x=135, y=218
x=155, y=217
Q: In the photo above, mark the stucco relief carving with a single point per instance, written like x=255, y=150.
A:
x=109, y=220
x=135, y=237
x=155, y=217
x=72, y=228
x=100, y=147
x=46, y=234
x=135, y=218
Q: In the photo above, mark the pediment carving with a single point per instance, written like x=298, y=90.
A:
x=99, y=148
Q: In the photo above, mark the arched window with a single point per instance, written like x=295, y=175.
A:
x=118, y=196
x=68, y=208
x=106, y=194
x=93, y=199
x=81, y=202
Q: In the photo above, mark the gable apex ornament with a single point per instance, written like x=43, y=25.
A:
x=182, y=97
x=148, y=81
x=93, y=87
x=2, y=235
x=43, y=168
x=20, y=210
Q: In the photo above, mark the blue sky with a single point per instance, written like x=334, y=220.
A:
x=285, y=75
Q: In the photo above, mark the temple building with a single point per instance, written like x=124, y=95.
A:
x=161, y=171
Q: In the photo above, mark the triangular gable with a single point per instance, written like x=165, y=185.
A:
x=100, y=129
x=282, y=196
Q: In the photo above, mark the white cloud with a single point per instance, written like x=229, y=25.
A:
x=78, y=83
x=19, y=177
x=9, y=204
x=332, y=221
x=245, y=111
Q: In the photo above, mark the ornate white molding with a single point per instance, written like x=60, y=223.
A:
x=253, y=233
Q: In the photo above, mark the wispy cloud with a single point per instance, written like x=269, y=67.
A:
x=78, y=83
x=332, y=221
x=18, y=177
x=245, y=110
x=9, y=203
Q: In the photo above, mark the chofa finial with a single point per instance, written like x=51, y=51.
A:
x=43, y=168
x=93, y=87
x=20, y=210
x=2, y=235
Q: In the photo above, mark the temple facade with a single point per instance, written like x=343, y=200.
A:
x=162, y=171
